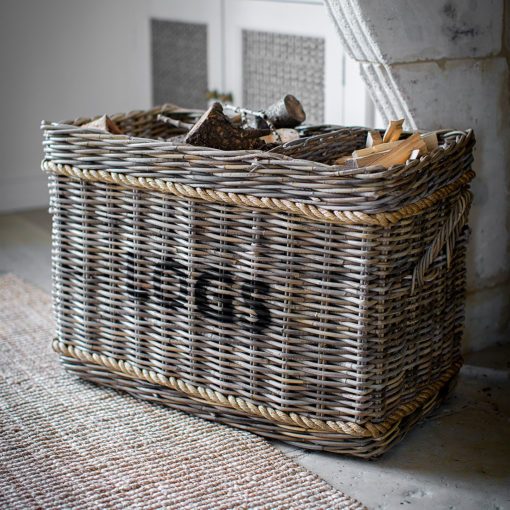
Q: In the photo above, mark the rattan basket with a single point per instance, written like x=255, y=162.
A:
x=302, y=301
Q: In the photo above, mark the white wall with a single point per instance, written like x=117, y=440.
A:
x=61, y=59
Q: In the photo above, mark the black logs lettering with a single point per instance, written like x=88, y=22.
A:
x=257, y=304
x=220, y=309
x=165, y=270
x=214, y=293
x=133, y=285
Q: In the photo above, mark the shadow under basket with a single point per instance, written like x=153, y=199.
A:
x=296, y=299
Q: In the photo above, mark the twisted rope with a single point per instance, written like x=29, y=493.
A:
x=200, y=393
x=307, y=210
x=446, y=235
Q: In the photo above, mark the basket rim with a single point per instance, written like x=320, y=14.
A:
x=371, y=195
x=75, y=125
x=306, y=211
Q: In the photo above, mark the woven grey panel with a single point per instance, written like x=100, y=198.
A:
x=277, y=64
x=179, y=63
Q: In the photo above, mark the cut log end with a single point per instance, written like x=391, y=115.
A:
x=294, y=108
x=373, y=138
x=104, y=123
x=286, y=113
x=393, y=131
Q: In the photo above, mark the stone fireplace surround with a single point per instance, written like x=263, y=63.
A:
x=445, y=64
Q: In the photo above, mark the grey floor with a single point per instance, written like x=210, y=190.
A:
x=457, y=459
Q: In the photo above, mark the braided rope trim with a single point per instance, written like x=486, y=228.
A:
x=200, y=393
x=308, y=211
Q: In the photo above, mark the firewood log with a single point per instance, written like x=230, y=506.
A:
x=430, y=140
x=393, y=131
x=215, y=130
x=386, y=154
x=282, y=135
x=285, y=113
x=373, y=138
x=402, y=152
x=105, y=124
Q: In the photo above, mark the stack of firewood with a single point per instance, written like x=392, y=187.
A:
x=243, y=129
x=240, y=129
x=389, y=149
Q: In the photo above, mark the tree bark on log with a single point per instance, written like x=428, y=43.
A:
x=215, y=130
x=285, y=113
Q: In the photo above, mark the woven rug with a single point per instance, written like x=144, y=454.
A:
x=65, y=443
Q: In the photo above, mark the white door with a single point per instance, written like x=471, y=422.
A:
x=273, y=48
x=257, y=50
x=185, y=51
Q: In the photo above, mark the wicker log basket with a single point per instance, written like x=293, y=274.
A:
x=271, y=291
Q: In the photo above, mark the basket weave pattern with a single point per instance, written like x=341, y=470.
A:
x=296, y=299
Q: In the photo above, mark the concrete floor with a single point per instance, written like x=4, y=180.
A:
x=457, y=459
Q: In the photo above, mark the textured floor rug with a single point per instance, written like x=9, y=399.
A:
x=69, y=444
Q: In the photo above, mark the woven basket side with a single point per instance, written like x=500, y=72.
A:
x=325, y=300
x=303, y=317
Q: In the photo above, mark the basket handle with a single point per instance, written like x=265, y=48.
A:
x=447, y=235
